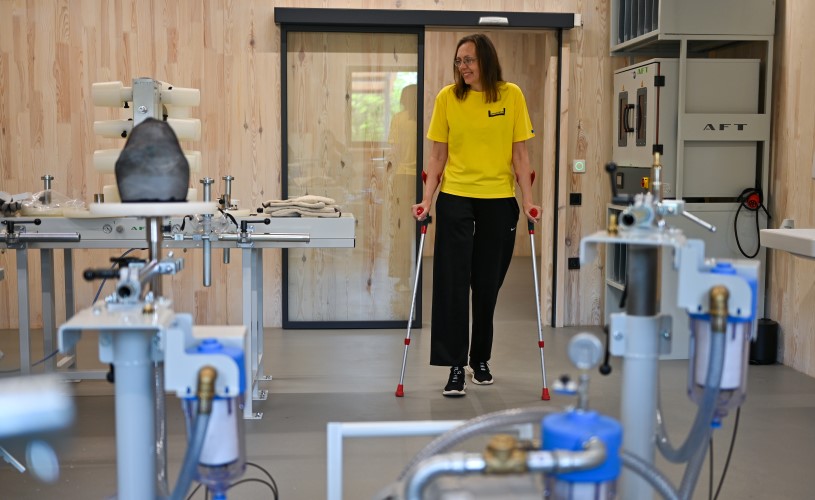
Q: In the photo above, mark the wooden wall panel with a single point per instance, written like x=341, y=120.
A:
x=791, y=280
x=51, y=53
x=545, y=230
x=588, y=132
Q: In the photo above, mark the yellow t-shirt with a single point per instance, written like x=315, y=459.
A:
x=479, y=137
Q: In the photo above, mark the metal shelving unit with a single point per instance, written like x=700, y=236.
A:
x=683, y=30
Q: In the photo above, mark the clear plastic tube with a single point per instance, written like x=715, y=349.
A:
x=188, y=467
x=734, y=370
x=223, y=456
x=707, y=409
x=694, y=467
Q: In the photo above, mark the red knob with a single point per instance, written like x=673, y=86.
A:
x=419, y=211
x=534, y=212
x=753, y=201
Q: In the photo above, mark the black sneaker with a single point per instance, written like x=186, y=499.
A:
x=481, y=373
x=455, y=384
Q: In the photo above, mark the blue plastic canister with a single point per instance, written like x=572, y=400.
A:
x=570, y=431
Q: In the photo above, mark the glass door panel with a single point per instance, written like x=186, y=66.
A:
x=351, y=135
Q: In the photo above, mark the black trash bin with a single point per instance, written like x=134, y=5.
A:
x=764, y=349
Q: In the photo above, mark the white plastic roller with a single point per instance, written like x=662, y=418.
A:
x=177, y=111
x=111, y=94
x=104, y=160
x=194, y=159
x=186, y=129
x=178, y=96
x=113, y=128
x=111, y=193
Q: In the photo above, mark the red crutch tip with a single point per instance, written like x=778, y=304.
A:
x=400, y=391
x=545, y=394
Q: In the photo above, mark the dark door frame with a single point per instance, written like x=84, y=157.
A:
x=405, y=21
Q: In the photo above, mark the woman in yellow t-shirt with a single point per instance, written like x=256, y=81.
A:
x=479, y=128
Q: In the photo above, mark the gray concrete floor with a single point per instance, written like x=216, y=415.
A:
x=322, y=376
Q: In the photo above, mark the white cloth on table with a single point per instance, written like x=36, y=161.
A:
x=302, y=206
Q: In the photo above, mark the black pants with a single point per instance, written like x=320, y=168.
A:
x=474, y=243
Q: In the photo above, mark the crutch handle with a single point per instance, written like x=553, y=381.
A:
x=529, y=224
x=424, y=222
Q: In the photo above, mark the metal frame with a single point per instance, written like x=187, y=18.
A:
x=252, y=290
x=556, y=194
x=764, y=115
x=337, y=431
x=424, y=18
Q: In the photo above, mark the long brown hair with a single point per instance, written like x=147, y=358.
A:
x=488, y=65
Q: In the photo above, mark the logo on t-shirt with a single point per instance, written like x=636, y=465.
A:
x=497, y=113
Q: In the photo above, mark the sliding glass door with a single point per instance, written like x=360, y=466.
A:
x=351, y=134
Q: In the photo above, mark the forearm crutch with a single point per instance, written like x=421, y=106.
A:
x=400, y=389
x=531, y=227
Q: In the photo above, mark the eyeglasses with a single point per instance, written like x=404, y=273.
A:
x=467, y=60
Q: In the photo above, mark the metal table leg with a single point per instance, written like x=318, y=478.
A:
x=261, y=374
x=68, y=266
x=49, y=327
x=70, y=304
x=23, y=310
x=249, y=294
x=2, y=275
